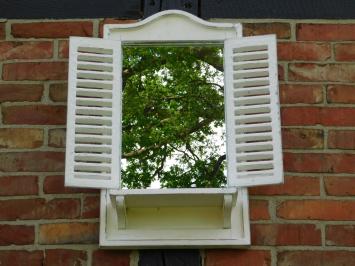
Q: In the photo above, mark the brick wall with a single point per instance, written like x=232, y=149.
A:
x=309, y=220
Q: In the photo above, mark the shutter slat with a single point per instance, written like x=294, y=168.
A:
x=94, y=101
x=254, y=154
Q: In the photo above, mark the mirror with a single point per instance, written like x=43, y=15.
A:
x=173, y=117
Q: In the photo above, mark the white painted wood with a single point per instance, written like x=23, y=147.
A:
x=227, y=210
x=202, y=234
x=94, y=101
x=172, y=26
x=254, y=153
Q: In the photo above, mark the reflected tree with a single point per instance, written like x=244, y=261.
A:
x=173, y=116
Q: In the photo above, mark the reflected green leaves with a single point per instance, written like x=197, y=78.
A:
x=173, y=117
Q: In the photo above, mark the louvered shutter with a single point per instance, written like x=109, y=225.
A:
x=254, y=150
x=94, y=113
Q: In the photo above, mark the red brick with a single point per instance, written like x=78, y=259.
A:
x=300, y=138
x=32, y=161
x=16, y=235
x=55, y=185
x=345, y=51
x=237, y=258
x=56, y=138
x=21, y=258
x=259, y=210
x=65, y=257
x=282, y=30
x=18, y=185
x=325, y=32
x=69, y=233
x=52, y=29
x=341, y=139
x=58, y=92
x=340, y=185
x=285, y=234
x=110, y=258
x=2, y=31
x=25, y=50
x=281, y=72
x=91, y=207
x=333, y=210
x=321, y=72
x=340, y=235
x=293, y=186
x=310, y=116
x=63, y=51
x=20, y=92
x=319, y=162
x=13, y=138
x=34, y=209
x=35, y=71
x=305, y=51
x=34, y=115
x=341, y=94
x=296, y=93
x=316, y=258
x=113, y=21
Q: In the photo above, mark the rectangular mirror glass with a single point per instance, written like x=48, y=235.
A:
x=173, y=129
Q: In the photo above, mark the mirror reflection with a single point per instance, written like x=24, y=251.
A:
x=173, y=118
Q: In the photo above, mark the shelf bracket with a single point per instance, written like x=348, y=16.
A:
x=227, y=211
x=119, y=203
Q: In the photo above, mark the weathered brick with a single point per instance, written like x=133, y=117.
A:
x=297, y=93
x=282, y=30
x=285, y=234
x=65, y=257
x=341, y=94
x=341, y=139
x=69, y=233
x=325, y=32
x=310, y=116
x=340, y=235
x=91, y=207
x=55, y=185
x=58, y=92
x=34, y=114
x=281, y=72
x=25, y=50
x=344, y=51
x=237, y=257
x=319, y=162
x=259, y=210
x=13, y=138
x=32, y=161
x=332, y=210
x=340, y=185
x=315, y=258
x=16, y=235
x=113, y=21
x=294, y=185
x=18, y=185
x=300, y=138
x=34, y=209
x=2, y=31
x=57, y=138
x=110, y=258
x=63, y=51
x=35, y=71
x=20, y=92
x=21, y=258
x=321, y=72
x=305, y=51
x=52, y=29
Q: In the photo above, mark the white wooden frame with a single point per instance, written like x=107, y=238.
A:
x=196, y=217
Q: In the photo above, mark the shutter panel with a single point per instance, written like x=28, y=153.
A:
x=93, y=147
x=254, y=153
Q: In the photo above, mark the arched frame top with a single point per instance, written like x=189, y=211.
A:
x=173, y=26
